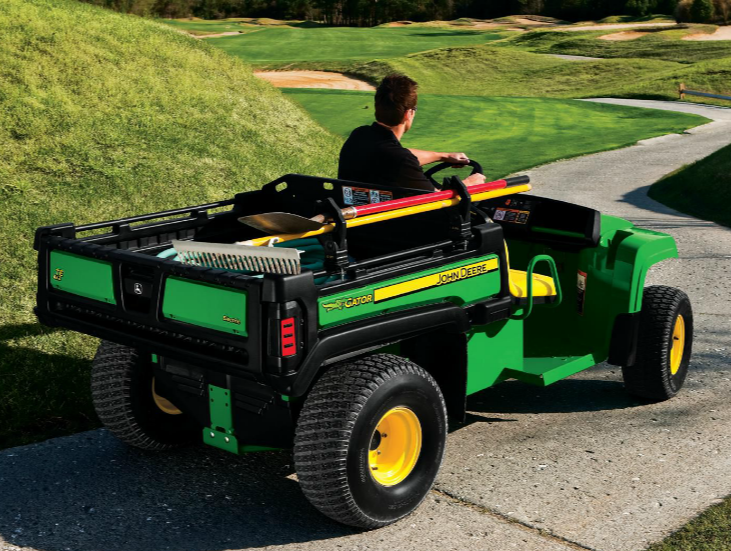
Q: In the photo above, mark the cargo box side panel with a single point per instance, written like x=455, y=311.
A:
x=205, y=305
x=463, y=283
x=78, y=275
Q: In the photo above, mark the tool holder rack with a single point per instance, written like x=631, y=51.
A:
x=335, y=242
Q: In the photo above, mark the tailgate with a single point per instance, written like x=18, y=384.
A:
x=161, y=306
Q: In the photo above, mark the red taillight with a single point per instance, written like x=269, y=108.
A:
x=288, y=337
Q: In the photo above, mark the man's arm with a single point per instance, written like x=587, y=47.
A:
x=428, y=157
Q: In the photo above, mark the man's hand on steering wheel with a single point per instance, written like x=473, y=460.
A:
x=476, y=177
x=457, y=160
x=473, y=179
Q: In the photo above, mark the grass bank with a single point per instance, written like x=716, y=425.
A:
x=504, y=134
x=702, y=189
x=105, y=115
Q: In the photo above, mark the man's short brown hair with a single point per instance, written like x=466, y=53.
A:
x=395, y=95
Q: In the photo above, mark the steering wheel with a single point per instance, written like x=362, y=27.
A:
x=476, y=168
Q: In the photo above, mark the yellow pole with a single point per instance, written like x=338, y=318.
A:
x=391, y=215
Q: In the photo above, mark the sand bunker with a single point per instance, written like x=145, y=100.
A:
x=616, y=26
x=722, y=33
x=485, y=25
x=217, y=35
x=524, y=21
x=624, y=35
x=313, y=79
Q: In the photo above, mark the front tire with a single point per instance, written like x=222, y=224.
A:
x=370, y=440
x=122, y=390
x=664, y=347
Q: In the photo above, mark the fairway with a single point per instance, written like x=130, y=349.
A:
x=504, y=134
x=273, y=45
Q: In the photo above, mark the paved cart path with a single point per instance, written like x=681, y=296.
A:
x=577, y=465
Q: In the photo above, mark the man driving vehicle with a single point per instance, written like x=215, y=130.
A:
x=374, y=154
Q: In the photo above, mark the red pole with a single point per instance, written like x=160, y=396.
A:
x=418, y=199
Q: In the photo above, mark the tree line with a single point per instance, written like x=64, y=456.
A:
x=375, y=12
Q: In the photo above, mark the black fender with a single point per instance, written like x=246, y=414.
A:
x=339, y=343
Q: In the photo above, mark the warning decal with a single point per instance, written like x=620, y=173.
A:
x=511, y=215
x=363, y=196
x=580, y=291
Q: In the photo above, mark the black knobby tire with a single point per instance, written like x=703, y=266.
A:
x=121, y=390
x=334, y=431
x=651, y=377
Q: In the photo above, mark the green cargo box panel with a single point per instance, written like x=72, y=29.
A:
x=211, y=306
x=79, y=275
x=463, y=282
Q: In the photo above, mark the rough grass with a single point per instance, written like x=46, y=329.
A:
x=635, y=19
x=663, y=45
x=702, y=189
x=504, y=134
x=105, y=115
x=273, y=47
x=489, y=71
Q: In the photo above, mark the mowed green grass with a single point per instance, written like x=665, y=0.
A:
x=505, y=135
x=285, y=46
x=103, y=116
x=702, y=189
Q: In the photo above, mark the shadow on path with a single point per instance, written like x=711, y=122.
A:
x=567, y=396
x=89, y=492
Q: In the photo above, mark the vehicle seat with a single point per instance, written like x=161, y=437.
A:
x=543, y=286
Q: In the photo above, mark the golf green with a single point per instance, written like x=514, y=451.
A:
x=504, y=134
x=274, y=45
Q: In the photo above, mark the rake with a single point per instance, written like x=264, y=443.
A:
x=241, y=256
x=262, y=256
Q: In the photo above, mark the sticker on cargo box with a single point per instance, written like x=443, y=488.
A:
x=364, y=196
x=349, y=302
x=580, y=291
x=435, y=280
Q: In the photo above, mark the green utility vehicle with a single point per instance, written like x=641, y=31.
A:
x=357, y=361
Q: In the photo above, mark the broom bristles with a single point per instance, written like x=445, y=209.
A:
x=270, y=260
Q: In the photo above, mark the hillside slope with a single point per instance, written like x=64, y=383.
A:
x=104, y=115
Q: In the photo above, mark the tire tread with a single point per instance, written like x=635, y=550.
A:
x=323, y=430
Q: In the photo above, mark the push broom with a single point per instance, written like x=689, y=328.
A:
x=260, y=255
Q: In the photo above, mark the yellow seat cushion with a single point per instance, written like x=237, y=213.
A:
x=543, y=286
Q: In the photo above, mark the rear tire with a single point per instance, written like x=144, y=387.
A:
x=123, y=397
x=664, y=347
x=348, y=465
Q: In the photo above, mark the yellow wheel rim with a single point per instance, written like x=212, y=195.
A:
x=395, y=446
x=163, y=403
x=676, y=352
